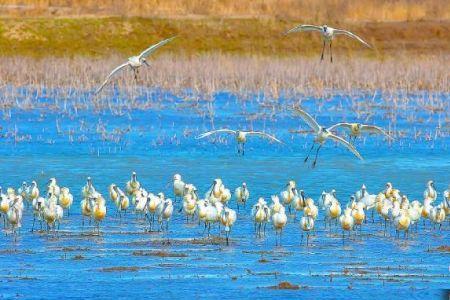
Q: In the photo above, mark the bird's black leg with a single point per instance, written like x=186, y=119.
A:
x=323, y=50
x=243, y=148
x=135, y=74
x=331, y=53
x=307, y=156
x=315, y=159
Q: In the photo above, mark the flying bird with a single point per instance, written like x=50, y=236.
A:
x=356, y=129
x=322, y=134
x=135, y=62
x=328, y=34
x=241, y=136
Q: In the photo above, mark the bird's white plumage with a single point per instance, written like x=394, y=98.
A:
x=345, y=144
x=154, y=47
x=111, y=75
x=352, y=35
x=308, y=119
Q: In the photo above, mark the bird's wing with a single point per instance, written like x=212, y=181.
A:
x=307, y=118
x=345, y=125
x=352, y=35
x=110, y=75
x=346, y=144
x=203, y=135
x=375, y=129
x=263, y=134
x=153, y=48
x=305, y=28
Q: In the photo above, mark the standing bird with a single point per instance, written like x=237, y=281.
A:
x=53, y=187
x=88, y=191
x=99, y=212
x=356, y=129
x=347, y=222
x=14, y=215
x=328, y=34
x=242, y=194
x=135, y=62
x=430, y=192
x=241, y=137
x=227, y=218
x=178, y=186
x=260, y=215
x=65, y=199
x=322, y=135
x=307, y=225
x=165, y=213
x=34, y=191
x=133, y=185
x=279, y=220
x=289, y=194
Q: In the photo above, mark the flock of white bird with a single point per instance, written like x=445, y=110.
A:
x=214, y=208
x=392, y=206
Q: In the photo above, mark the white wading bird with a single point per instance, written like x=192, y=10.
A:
x=356, y=129
x=241, y=136
x=135, y=62
x=322, y=134
x=328, y=34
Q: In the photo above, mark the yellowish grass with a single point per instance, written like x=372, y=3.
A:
x=305, y=10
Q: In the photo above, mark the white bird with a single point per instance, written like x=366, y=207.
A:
x=14, y=214
x=328, y=33
x=53, y=187
x=133, y=185
x=152, y=205
x=307, y=225
x=135, y=62
x=178, y=186
x=241, y=136
x=164, y=213
x=430, y=192
x=228, y=218
x=356, y=129
x=242, y=194
x=260, y=215
x=322, y=134
x=88, y=191
x=279, y=220
x=65, y=199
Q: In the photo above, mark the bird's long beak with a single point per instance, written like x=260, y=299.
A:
x=146, y=63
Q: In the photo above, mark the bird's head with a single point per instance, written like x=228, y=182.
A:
x=144, y=61
x=325, y=27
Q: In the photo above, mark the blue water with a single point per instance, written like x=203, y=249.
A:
x=70, y=140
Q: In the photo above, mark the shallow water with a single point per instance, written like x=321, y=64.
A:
x=53, y=140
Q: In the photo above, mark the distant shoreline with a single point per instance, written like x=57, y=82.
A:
x=106, y=36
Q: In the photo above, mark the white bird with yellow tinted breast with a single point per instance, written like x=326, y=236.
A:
x=65, y=199
x=322, y=134
x=241, y=136
x=133, y=185
x=328, y=33
x=357, y=129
